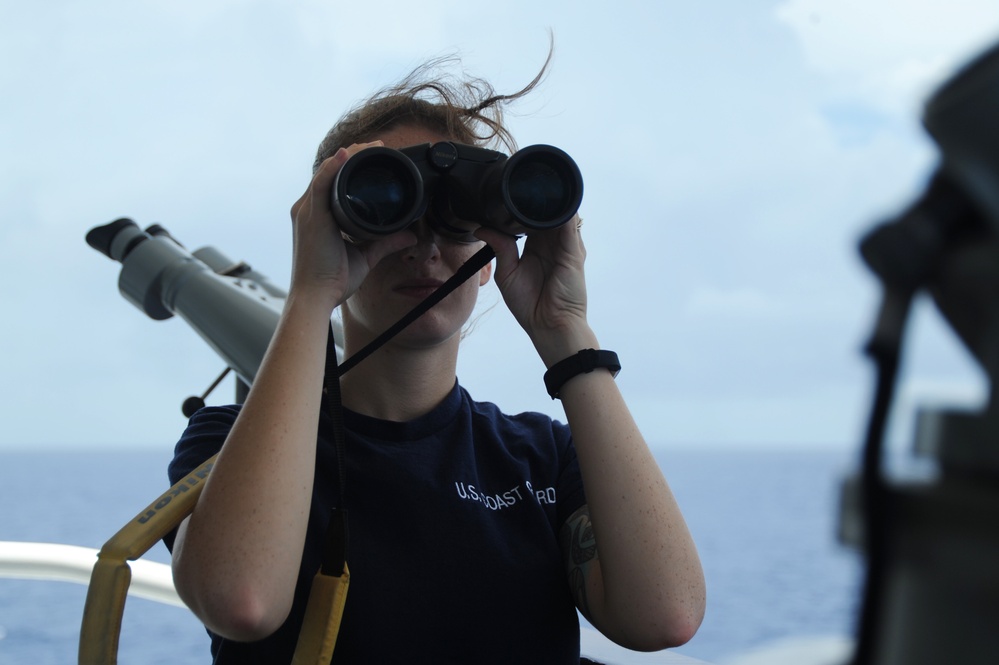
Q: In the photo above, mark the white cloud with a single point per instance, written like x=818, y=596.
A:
x=889, y=53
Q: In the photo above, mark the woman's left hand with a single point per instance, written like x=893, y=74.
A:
x=544, y=287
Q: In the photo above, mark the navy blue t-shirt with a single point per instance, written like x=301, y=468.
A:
x=454, y=523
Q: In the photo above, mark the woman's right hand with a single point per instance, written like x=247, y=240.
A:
x=324, y=265
x=260, y=488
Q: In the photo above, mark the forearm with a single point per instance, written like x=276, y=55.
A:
x=236, y=560
x=649, y=589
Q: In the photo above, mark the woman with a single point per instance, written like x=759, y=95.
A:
x=471, y=537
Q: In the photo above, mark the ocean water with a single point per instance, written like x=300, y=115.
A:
x=764, y=521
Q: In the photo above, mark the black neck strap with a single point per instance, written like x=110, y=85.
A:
x=469, y=268
x=335, y=548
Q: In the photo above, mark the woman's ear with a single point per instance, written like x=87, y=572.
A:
x=485, y=273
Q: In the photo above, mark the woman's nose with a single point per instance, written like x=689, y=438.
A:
x=427, y=243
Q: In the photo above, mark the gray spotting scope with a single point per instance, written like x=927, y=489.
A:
x=231, y=306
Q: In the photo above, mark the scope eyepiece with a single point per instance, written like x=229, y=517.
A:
x=102, y=237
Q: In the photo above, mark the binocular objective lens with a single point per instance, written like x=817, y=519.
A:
x=540, y=190
x=380, y=192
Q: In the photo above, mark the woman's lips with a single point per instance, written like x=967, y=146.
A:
x=419, y=288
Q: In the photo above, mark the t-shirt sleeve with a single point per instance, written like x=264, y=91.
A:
x=205, y=433
x=571, y=493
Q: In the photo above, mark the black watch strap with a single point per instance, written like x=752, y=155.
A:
x=583, y=362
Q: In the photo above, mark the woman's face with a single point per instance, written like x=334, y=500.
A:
x=402, y=280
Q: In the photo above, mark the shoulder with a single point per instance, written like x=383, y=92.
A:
x=207, y=427
x=489, y=416
x=206, y=431
x=208, y=418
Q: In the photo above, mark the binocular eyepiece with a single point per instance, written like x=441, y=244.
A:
x=458, y=187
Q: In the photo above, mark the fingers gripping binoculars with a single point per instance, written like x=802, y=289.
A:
x=457, y=187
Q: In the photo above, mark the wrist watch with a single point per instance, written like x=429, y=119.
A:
x=583, y=362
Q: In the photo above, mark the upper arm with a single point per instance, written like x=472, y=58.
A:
x=177, y=559
x=582, y=562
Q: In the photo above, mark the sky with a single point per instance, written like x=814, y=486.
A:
x=733, y=153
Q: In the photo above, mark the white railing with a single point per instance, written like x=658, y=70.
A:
x=70, y=563
x=153, y=581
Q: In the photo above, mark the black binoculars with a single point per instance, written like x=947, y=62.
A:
x=458, y=188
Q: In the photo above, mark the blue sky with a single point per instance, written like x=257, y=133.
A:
x=733, y=153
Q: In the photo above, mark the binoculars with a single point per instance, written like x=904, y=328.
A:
x=457, y=187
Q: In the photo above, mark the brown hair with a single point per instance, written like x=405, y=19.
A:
x=464, y=108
